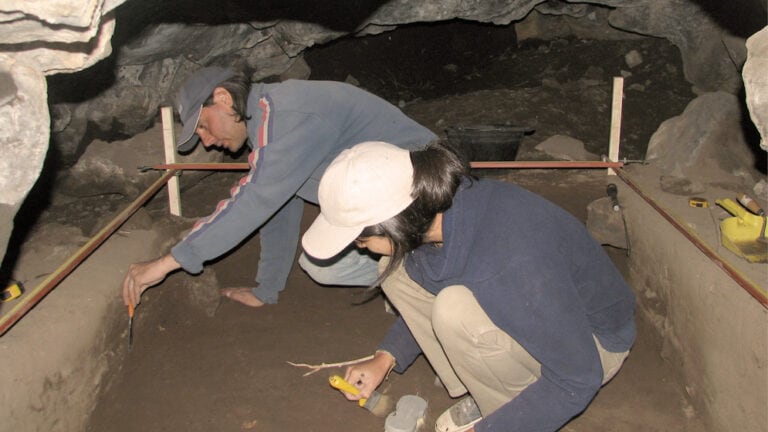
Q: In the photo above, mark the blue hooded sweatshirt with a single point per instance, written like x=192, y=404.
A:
x=540, y=277
x=295, y=129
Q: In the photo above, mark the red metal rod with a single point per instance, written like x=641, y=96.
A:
x=753, y=289
x=203, y=166
x=27, y=302
x=545, y=164
x=476, y=164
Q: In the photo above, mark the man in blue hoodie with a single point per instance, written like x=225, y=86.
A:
x=508, y=296
x=294, y=130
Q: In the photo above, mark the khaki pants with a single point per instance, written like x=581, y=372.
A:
x=466, y=350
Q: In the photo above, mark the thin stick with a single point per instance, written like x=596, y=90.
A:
x=317, y=368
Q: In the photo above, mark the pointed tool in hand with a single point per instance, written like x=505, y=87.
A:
x=130, y=327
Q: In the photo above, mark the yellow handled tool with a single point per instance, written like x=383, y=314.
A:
x=339, y=383
x=380, y=405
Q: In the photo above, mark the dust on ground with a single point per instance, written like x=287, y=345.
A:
x=188, y=371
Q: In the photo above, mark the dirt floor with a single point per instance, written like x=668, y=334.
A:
x=230, y=372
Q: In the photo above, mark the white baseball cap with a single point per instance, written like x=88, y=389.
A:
x=365, y=185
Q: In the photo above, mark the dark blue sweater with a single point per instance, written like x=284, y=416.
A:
x=540, y=277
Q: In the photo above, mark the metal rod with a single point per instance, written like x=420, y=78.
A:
x=545, y=164
x=199, y=166
x=753, y=289
x=27, y=302
x=476, y=164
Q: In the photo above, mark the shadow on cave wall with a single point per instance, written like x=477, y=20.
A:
x=739, y=17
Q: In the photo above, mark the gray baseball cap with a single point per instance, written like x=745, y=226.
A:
x=189, y=102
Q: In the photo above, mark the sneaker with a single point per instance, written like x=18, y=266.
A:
x=460, y=417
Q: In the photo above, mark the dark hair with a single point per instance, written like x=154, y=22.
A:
x=437, y=173
x=239, y=85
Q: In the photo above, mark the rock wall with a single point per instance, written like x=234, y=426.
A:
x=756, y=82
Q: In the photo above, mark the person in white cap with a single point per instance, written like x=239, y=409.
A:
x=506, y=294
x=294, y=130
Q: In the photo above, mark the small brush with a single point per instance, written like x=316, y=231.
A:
x=130, y=327
x=378, y=404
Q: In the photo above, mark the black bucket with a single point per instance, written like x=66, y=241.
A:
x=487, y=142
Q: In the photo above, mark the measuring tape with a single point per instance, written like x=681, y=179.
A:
x=12, y=291
x=698, y=202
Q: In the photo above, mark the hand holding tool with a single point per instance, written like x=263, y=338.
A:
x=380, y=405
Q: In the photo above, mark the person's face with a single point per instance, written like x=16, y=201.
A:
x=217, y=126
x=376, y=244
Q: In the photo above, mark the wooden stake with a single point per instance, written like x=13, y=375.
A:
x=169, y=144
x=615, y=138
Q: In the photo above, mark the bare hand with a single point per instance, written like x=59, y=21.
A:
x=143, y=275
x=367, y=375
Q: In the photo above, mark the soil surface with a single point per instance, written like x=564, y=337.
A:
x=230, y=372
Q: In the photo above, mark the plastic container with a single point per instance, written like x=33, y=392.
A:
x=408, y=415
x=487, y=142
